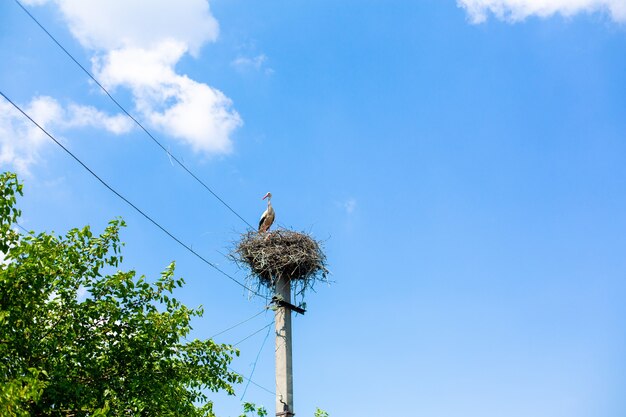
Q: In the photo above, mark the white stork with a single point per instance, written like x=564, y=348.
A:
x=267, y=218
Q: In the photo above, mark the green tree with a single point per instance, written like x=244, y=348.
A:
x=118, y=350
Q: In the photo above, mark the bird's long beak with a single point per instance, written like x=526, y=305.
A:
x=266, y=195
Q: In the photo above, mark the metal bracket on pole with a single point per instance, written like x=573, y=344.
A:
x=283, y=303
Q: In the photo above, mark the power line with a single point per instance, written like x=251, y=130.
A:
x=251, y=381
x=154, y=222
x=22, y=227
x=255, y=362
x=239, y=324
x=182, y=165
x=244, y=377
x=249, y=336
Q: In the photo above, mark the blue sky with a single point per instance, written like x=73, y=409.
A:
x=464, y=163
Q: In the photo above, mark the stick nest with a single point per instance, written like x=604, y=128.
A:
x=281, y=253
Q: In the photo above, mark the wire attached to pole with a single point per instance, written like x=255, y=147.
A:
x=255, y=362
x=240, y=323
x=250, y=335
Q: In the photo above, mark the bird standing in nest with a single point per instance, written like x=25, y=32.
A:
x=267, y=218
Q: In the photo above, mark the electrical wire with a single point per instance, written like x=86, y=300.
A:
x=159, y=144
x=258, y=331
x=147, y=217
x=255, y=362
x=244, y=377
x=22, y=227
x=240, y=323
x=251, y=381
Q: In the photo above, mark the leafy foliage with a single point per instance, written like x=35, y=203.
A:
x=252, y=408
x=79, y=338
x=320, y=413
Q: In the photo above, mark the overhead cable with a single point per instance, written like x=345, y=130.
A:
x=249, y=336
x=146, y=216
x=251, y=381
x=255, y=362
x=240, y=323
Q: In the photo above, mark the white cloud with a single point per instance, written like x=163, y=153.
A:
x=34, y=2
x=244, y=63
x=518, y=10
x=136, y=44
x=201, y=116
x=115, y=24
x=350, y=205
x=193, y=112
x=21, y=141
x=87, y=116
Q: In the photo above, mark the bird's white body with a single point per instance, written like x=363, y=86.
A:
x=268, y=216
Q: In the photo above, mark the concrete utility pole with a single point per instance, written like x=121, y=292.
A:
x=276, y=260
x=284, y=376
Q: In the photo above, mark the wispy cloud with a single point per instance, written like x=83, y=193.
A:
x=256, y=63
x=76, y=115
x=350, y=205
x=518, y=10
x=136, y=46
x=21, y=141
